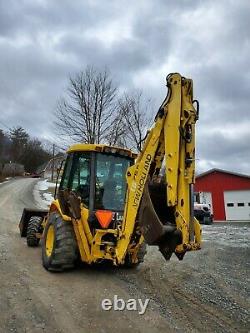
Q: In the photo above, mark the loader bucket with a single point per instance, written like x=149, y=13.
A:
x=27, y=213
x=156, y=220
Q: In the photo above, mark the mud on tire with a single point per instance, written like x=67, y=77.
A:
x=64, y=250
x=34, y=227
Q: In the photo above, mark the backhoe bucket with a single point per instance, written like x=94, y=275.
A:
x=156, y=220
x=27, y=213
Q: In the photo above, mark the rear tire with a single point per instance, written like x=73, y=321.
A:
x=34, y=227
x=59, y=250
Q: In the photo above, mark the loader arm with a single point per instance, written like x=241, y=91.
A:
x=171, y=138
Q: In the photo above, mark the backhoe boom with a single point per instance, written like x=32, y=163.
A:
x=173, y=138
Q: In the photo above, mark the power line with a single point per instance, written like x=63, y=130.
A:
x=54, y=141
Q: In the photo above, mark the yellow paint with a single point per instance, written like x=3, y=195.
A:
x=55, y=206
x=50, y=238
x=98, y=148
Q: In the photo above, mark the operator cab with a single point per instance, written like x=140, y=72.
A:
x=97, y=175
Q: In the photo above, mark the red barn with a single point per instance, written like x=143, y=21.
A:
x=228, y=193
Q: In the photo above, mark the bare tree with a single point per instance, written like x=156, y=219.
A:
x=89, y=110
x=136, y=119
x=118, y=131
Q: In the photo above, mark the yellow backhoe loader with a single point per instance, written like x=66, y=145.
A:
x=110, y=202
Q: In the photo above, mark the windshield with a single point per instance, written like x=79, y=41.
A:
x=111, y=185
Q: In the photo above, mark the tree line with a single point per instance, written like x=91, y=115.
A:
x=16, y=146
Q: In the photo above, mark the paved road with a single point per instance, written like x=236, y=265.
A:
x=206, y=292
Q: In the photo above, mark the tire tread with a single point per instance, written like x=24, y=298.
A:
x=34, y=226
x=64, y=254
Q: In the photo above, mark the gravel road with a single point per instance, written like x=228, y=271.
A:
x=207, y=292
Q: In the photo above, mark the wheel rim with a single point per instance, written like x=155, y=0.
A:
x=50, y=237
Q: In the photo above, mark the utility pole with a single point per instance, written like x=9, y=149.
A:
x=53, y=162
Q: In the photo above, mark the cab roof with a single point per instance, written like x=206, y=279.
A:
x=102, y=149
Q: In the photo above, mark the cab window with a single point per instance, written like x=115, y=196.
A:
x=66, y=172
x=76, y=175
x=110, y=189
x=80, y=176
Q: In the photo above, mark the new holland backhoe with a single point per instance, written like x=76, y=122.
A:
x=110, y=202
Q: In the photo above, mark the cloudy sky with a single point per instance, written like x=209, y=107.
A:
x=43, y=41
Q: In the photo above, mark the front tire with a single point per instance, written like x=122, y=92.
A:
x=59, y=250
x=34, y=227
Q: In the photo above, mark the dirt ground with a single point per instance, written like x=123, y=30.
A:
x=207, y=292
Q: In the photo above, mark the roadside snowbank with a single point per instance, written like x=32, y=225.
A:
x=43, y=199
x=43, y=185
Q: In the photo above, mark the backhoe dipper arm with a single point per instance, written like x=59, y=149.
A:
x=173, y=229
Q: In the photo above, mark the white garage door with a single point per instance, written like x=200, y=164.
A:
x=237, y=205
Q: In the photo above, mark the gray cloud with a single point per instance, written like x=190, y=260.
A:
x=43, y=42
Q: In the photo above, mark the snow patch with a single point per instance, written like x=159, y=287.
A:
x=6, y=181
x=43, y=200
x=43, y=185
x=48, y=197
